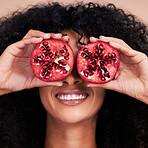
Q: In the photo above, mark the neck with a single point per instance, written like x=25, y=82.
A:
x=74, y=135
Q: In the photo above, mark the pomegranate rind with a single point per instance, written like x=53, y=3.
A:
x=55, y=45
x=112, y=67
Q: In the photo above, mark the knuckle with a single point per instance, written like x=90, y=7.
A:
x=10, y=46
x=145, y=55
x=30, y=31
x=142, y=55
x=121, y=41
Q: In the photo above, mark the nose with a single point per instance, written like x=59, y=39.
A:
x=73, y=78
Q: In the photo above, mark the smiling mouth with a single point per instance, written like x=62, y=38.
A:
x=72, y=97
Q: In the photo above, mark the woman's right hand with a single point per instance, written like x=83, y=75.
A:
x=15, y=70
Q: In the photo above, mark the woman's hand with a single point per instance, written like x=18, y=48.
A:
x=15, y=70
x=132, y=76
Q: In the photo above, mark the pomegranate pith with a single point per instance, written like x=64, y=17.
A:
x=52, y=60
x=98, y=62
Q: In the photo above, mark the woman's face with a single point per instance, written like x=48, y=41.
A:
x=84, y=101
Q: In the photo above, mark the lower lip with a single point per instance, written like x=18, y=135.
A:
x=71, y=102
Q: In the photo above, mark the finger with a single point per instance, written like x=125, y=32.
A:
x=124, y=49
x=109, y=39
x=112, y=85
x=60, y=36
x=34, y=33
x=46, y=36
x=65, y=38
x=39, y=83
x=135, y=56
x=17, y=47
x=23, y=43
x=93, y=39
x=112, y=39
x=115, y=43
x=121, y=46
x=56, y=35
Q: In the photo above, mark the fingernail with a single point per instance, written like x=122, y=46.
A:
x=102, y=36
x=92, y=37
x=60, y=84
x=66, y=38
x=58, y=34
x=46, y=35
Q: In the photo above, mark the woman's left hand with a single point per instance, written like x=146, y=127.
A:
x=132, y=76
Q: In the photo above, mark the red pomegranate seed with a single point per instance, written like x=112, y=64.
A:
x=85, y=50
x=101, y=46
x=109, y=55
x=45, y=43
x=103, y=79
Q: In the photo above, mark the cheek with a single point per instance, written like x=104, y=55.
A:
x=99, y=93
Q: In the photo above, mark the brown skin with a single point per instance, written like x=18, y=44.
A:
x=71, y=126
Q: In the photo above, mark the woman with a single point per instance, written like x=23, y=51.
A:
x=114, y=118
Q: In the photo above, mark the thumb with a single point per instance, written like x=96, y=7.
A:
x=109, y=85
x=39, y=83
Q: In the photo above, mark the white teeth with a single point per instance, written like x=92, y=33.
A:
x=71, y=96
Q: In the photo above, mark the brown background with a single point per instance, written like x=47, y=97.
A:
x=136, y=7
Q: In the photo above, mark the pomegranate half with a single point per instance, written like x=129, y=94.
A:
x=52, y=60
x=98, y=62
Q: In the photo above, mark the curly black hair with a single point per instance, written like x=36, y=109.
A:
x=122, y=120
